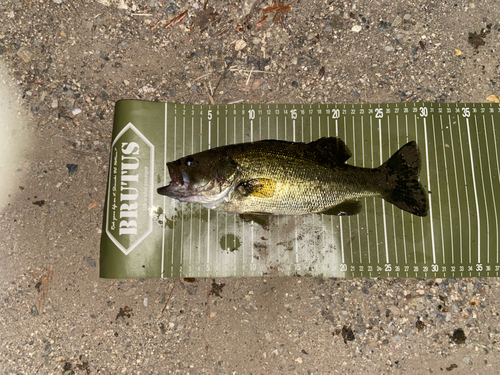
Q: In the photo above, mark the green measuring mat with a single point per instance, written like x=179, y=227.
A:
x=149, y=235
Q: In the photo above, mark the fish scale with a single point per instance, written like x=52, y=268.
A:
x=303, y=187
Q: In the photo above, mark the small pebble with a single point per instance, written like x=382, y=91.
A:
x=72, y=168
x=397, y=21
x=240, y=44
x=356, y=28
x=34, y=310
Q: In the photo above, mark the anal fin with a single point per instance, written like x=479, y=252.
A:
x=346, y=208
x=261, y=219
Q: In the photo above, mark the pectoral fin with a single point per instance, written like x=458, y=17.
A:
x=346, y=208
x=258, y=187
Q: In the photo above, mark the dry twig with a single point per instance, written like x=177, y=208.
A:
x=44, y=278
x=261, y=22
x=280, y=10
x=176, y=20
x=209, y=94
x=169, y=297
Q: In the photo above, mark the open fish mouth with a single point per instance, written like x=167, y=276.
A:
x=179, y=183
x=180, y=186
x=183, y=188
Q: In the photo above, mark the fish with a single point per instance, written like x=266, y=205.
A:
x=275, y=177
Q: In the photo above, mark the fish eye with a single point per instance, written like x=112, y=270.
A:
x=189, y=161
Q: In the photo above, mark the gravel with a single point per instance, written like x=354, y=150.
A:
x=66, y=65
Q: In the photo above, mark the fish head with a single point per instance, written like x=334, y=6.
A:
x=206, y=178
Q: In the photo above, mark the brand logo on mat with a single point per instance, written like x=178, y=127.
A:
x=130, y=189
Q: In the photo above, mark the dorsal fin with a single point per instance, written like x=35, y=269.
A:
x=331, y=150
x=324, y=151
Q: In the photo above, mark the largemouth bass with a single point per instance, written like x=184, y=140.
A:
x=273, y=177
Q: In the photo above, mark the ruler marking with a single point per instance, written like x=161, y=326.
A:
x=200, y=208
x=498, y=168
x=268, y=127
x=396, y=248
x=447, y=191
x=402, y=216
x=411, y=217
x=348, y=218
x=474, y=184
x=366, y=208
x=328, y=126
x=436, y=157
x=495, y=208
x=252, y=258
x=374, y=207
x=456, y=183
x=475, y=194
x=484, y=200
x=340, y=217
x=426, y=145
x=357, y=216
x=235, y=262
x=276, y=122
x=328, y=132
x=218, y=266
x=294, y=218
x=383, y=204
x=182, y=206
x=260, y=126
x=424, y=253
x=173, y=224
x=270, y=236
x=323, y=234
x=192, y=208
x=350, y=224
x=310, y=129
x=286, y=131
x=243, y=224
x=465, y=184
x=162, y=268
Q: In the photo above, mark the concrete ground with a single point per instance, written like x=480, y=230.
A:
x=64, y=64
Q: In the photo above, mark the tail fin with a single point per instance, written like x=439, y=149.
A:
x=402, y=186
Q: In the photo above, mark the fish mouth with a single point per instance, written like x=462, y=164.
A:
x=179, y=183
x=182, y=188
